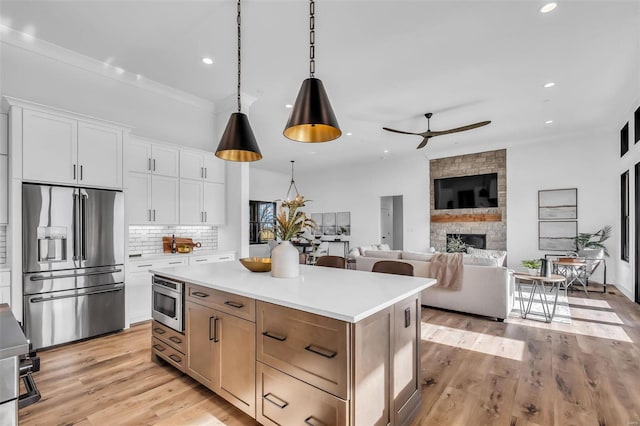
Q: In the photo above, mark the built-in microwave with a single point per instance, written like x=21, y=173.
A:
x=168, y=302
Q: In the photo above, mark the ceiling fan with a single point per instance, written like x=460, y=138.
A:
x=430, y=134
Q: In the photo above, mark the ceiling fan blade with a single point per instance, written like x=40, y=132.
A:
x=460, y=129
x=424, y=142
x=400, y=131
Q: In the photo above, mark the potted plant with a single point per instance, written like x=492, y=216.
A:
x=456, y=245
x=290, y=222
x=532, y=265
x=585, y=240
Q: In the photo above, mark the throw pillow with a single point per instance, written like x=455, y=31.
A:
x=354, y=252
x=383, y=254
x=365, y=248
x=384, y=247
x=499, y=255
x=415, y=255
x=479, y=261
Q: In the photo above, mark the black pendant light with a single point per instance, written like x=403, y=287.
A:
x=312, y=118
x=238, y=142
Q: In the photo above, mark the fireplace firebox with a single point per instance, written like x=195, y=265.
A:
x=478, y=241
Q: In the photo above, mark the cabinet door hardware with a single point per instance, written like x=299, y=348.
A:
x=175, y=339
x=149, y=215
x=320, y=351
x=234, y=304
x=154, y=164
x=205, y=216
x=154, y=215
x=175, y=358
x=210, y=327
x=205, y=172
x=159, y=330
x=275, y=400
x=201, y=172
x=149, y=164
x=74, y=172
x=215, y=330
x=275, y=336
x=407, y=317
x=159, y=348
x=312, y=421
x=199, y=294
x=81, y=167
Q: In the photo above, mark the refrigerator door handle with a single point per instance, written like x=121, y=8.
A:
x=83, y=227
x=40, y=299
x=52, y=277
x=76, y=206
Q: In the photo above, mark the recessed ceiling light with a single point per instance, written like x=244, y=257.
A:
x=288, y=106
x=386, y=151
x=313, y=152
x=207, y=61
x=549, y=84
x=548, y=122
x=548, y=7
x=349, y=133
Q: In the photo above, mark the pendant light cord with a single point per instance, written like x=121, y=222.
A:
x=312, y=38
x=239, y=61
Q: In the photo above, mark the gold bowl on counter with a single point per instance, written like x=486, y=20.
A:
x=256, y=264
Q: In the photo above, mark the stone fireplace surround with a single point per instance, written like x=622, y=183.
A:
x=491, y=221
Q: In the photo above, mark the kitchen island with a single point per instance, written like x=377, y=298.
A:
x=331, y=346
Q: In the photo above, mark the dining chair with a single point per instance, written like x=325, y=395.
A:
x=393, y=267
x=302, y=259
x=331, y=261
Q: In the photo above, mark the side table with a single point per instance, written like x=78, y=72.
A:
x=538, y=285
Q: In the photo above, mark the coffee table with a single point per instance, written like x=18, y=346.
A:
x=538, y=285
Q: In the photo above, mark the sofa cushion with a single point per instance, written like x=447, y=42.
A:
x=480, y=261
x=369, y=247
x=416, y=255
x=384, y=247
x=383, y=254
x=499, y=255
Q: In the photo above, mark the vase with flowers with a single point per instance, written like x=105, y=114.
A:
x=291, y=222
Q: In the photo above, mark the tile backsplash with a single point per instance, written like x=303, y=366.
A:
x=3, y=245
x=148, y=239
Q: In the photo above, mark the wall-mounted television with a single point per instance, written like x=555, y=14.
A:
x=466, y=192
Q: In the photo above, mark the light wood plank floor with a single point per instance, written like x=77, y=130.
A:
x=474, y=372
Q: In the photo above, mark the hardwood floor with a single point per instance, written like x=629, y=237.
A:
x=474, y=372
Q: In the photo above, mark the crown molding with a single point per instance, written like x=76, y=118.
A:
x=53, y=51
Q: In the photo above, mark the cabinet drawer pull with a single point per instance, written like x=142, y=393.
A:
x=224, y=258
x=407, y=317
x=199, y=294
x=313, y=421
x=234, y=304
x=275, y=400
x=320, y=351
x=175, y=358
x=201, y=260
x=278, y=337
x=175, y=263
x=159, y=348
x=145, y=266
x=175, y=339
x=159, y=330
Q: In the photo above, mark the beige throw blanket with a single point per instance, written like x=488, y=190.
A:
x=447, y=269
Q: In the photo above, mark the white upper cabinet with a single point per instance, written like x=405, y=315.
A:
x=138, y=197
x=164, y=200
x=50, y=148
x=191, y=207
x=147, y=157
x=201, y=165
x=99, y=155
x=58, y=147
x=214, y=203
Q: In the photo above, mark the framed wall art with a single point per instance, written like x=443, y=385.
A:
x=557, y=235
x=558, y=204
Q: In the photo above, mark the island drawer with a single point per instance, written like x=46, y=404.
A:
x=169, y=354
x=169, y=336
x=284, y=400
x=310, y=347
x=239, y=306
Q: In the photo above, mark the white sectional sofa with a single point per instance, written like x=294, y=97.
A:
x=486, y=290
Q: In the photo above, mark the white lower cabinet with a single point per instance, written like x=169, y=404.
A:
x=211, y=258
x=152, y=199
x=4, y=190
x=138, y=287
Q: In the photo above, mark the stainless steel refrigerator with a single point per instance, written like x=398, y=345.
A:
x=72, y=263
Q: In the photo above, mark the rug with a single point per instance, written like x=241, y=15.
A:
x=562, y=315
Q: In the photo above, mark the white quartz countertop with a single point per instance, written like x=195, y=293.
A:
x=343, y=294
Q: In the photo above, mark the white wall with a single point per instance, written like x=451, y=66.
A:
x=579, y=162
x=358, y=190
